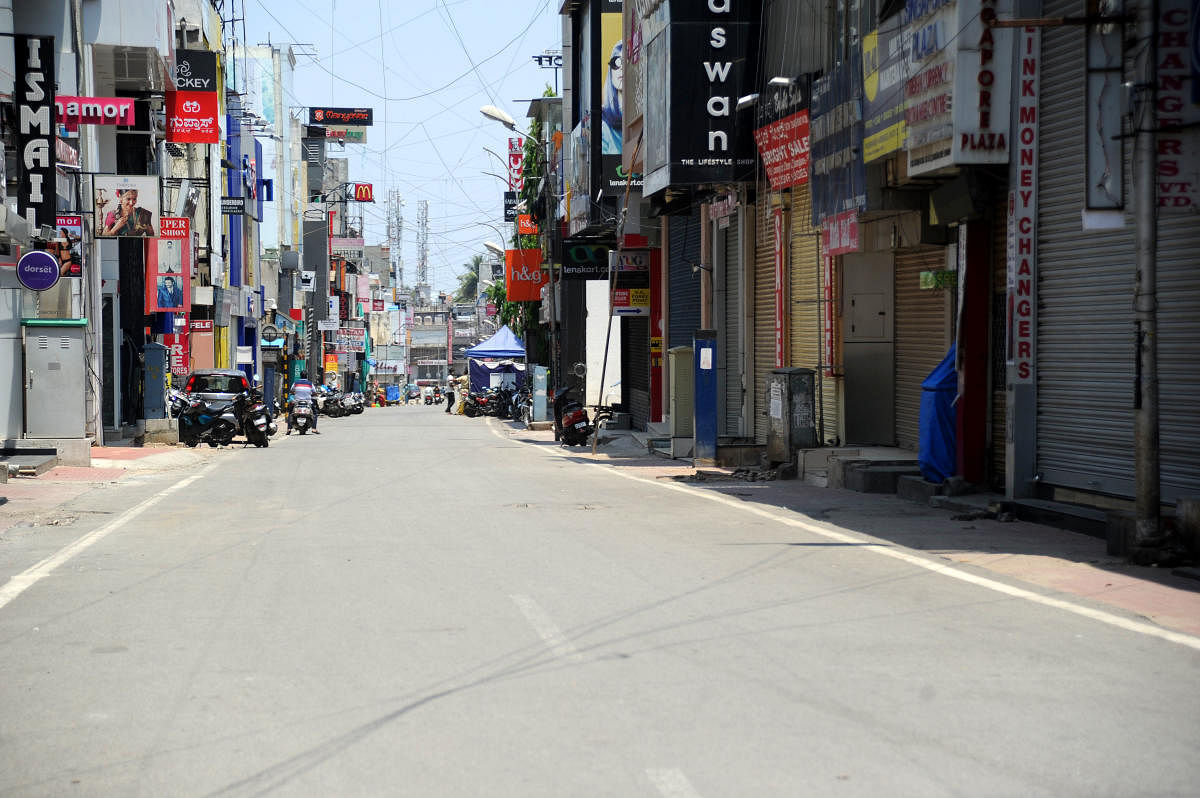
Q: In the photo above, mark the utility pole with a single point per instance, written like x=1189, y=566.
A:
x=1147, y=531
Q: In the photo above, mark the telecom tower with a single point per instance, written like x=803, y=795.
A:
x=423, y=249
x=395, y=234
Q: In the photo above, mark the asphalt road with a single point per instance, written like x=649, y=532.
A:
x=411, y=604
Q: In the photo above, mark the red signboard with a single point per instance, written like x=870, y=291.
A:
x=525, y=225
x=523, y=275
x=839, y=234
x=177, y=353
x=364, y=192
x=177, y=227
x=780, y=291
x=192, y=117
x=377, y=305
x=516, y=161
x=827, y=262
x=75, y=111
x=784, y=149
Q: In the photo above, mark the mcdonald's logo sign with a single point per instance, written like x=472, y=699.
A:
x=364, y=192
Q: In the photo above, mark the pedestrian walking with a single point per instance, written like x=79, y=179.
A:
x=450, y=395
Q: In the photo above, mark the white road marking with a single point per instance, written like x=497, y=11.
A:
x=830, y=532
x=31, y=576
x=672, y=783
x=556, y=641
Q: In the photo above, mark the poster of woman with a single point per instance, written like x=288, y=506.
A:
x=67, y=244
x=126, y=206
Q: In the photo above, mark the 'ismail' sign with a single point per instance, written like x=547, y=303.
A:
x=34, y=90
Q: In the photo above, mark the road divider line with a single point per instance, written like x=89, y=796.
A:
x=825, y=531
x=672, y=783
x=31, y=576
x=555, y=640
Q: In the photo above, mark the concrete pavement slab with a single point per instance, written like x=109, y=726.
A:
x=1057, y=561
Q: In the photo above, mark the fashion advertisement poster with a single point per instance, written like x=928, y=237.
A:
x=67, y=244
x=168, y=269
x=126, y=206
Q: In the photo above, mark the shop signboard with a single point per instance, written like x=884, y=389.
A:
x=692, y=136
x=631, y=283
x=838, y=175
x=71, y=111
x=885, y=69
x=325, y=115
x=351, y=339
x=523, y=275
x=585, y=262
x=33, y=60
x=957, y=92
x=782, y=132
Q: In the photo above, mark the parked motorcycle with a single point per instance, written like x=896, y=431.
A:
x=357, y=403
x=521, y=404
x=571, y=419
x=178, y=401
x=214, y=424
x=300, y=418
x=254, y=418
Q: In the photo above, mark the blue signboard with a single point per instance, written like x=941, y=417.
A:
x=839, y=181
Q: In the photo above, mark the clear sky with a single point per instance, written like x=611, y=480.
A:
x=425, y=67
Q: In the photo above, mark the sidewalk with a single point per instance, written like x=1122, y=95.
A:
x=1048, y=560
x=35, y=501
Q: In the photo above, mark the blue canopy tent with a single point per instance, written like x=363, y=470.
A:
x=504, y=345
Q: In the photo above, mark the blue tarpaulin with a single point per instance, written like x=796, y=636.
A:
x=938, y=453
x=503, y=344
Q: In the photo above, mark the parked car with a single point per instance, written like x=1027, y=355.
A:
x=216, y=385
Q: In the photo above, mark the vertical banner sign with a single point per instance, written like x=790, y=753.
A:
x=168, y=267
x=1021, y=309
x=68, y=244
x=827, y=285
x=1178, y=106
x=516, y=161
x=631, y=283
x=177, y=353
x=34, y=90
x=780, y=292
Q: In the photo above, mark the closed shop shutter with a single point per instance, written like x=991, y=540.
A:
x=999, y=375
x=764, y=313
x=1086, y=346
x=732, y=334
x=683, y=251
x=921, y=337
x=635, y=363
x=807, y=331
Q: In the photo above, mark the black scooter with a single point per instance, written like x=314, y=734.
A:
x=571, y=422
x=214, y=424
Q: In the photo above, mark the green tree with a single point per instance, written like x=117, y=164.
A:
x=468, y=281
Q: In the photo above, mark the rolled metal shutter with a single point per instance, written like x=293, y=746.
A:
x=921, y=337
x=684, y=284
x=807, y=311
x=764, y=313
x=733, y=338
x=1087, y=352
x=999, y=374
x=635, y=365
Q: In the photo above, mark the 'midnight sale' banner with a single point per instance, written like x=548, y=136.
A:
x=523, y=275
x=783, y=146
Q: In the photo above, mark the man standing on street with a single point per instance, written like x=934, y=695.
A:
x=450, y=395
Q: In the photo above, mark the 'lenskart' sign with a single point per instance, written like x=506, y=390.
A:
x=344, y=116
x=34, y=90
x=75, y=111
